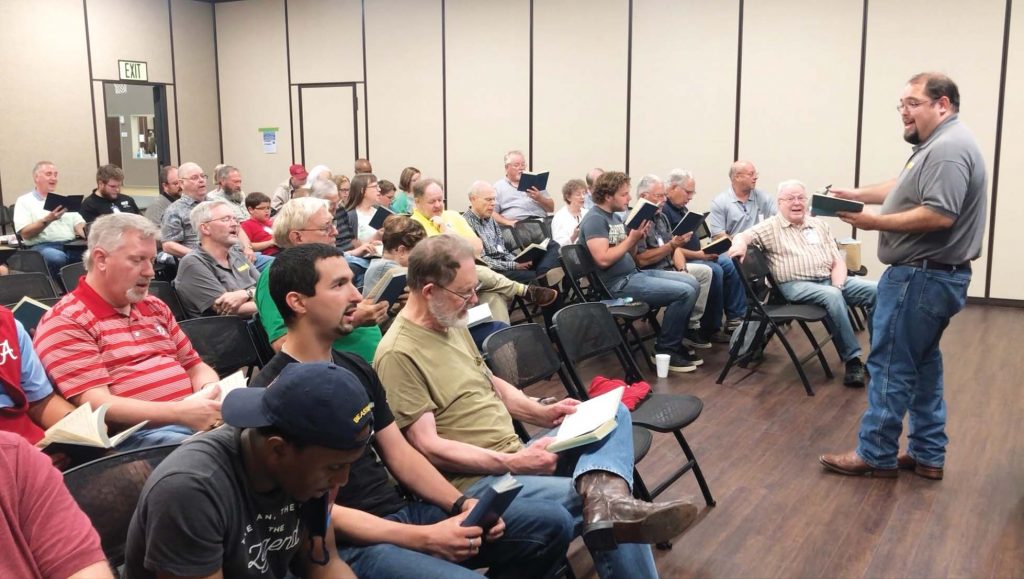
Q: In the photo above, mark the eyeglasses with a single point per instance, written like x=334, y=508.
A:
x=465, y=299
x=196, y=178
x=261, y=208
x=793, y=199
x=911, y=105
x=326, y=229
x=225, y=219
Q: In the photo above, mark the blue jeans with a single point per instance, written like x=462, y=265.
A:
x=614, y=454
x=855, y=292
x=673, y=290
x=734, y=298
x=159, y=436
x=57, y=256
x=537, y=535
x=914, y=307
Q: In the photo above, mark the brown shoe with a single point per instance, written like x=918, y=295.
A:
x=540, y=295
x=929, y=472
x=853, y=465
x=611, y=515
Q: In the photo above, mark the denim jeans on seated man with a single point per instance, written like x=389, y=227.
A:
x=855, y=292
x=613, y=454
x=526, y=550
x=913, y=310
x=673, y=290
x=735, y=297
x=56, y=255
x=159, y=436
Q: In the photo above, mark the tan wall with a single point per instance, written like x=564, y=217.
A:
x=196, y=77
x=129, y=30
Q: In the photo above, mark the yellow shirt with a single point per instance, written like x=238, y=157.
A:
x=453, y=219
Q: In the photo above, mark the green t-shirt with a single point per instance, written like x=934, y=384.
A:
x=361, y=342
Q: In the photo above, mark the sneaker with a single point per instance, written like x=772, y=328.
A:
x=677, y=362
x=540, y=295
x=720, y=337
x=694, y=339
x=854, y=377
x=691, y=356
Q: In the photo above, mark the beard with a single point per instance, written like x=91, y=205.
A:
x=136, y=295
x=448, y=319
x=234, y=195
x=911, y=136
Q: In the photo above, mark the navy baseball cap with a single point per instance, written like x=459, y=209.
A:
x=314, y=403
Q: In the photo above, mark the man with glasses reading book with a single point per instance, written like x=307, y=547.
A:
x=513, y=204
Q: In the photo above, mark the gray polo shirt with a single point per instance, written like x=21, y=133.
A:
x=733, y=216
x=946, y=173
x=598, y=223
x=201, y=280
x=514, y=204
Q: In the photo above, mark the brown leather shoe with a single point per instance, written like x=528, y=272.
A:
x=904, y=460
x=611, y=515
x=540, y=295
x=853, y=465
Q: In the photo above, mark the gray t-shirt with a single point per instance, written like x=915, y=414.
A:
x=201, y=280
x=733, y=216
x=946, y=173
x=514, y=204
x=658, y=235
x=598, y=223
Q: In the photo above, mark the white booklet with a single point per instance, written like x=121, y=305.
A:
x=227, y=384
x=592, y=421
x=85, y=428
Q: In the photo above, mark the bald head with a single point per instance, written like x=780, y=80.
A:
x=592, y=176
x=743, y=176
x=482, y=198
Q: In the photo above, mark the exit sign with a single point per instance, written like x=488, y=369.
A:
x=132, y=70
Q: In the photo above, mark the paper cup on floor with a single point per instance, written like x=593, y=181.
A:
x=661, y=361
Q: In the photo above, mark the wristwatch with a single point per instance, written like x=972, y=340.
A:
x=457, y=505
x=250, y=292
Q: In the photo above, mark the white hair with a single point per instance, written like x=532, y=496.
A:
x=508, y=155
x=108, y=231
x=646, y=184
x=201, y=213
x=790, y=183
x=678, y=177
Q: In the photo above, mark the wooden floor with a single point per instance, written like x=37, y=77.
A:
x=779, y=514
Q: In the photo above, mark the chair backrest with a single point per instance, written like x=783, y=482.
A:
x=28, y=261
x=223, y=342
x=18, y=285
x=165, y=292
x=529, y=231
x=261, y=340
x=585, y=331
x=509, y=237
x=70, y=273
x=521, y=355
x=108, y=490
x=546, y=222
x=6, y=219
x=579, y=266
x=757, y=276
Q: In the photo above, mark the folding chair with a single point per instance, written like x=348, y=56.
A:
x=585, y=331
x=579, y=266
x=108, y=489
x=224, y=343
x=261, y=340
x=165, y=292
x=28, y=261
x=766, y=310
x=509, y=237
x=18, y=285
x=6, y=219
x=70, y=274
x=529, y=231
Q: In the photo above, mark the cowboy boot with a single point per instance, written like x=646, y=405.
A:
x=611, y=515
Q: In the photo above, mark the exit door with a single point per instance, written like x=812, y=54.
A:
x=137, y=134
x=328, y=121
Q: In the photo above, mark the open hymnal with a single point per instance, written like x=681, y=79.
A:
x=592, y=421
x=716, y=246
x=478, y=314
x=690, y=222
x=29, y=311
x=827, y=206
x=532, y=252
x=379, y=215
x=72, y=203
x=84, y=427
x=389, y=287
x=224, y=385
x=533, y=180
x=644, y=210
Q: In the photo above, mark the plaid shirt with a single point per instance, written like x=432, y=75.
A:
x=496, y=255
x=802, y=252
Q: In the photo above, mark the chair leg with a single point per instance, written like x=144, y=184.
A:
x=640, y=490
x=704, y=489
x=725, y=371
x=818, y=347
x=797, y=364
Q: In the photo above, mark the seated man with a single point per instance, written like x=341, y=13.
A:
x=283, y=193
x=216, y=279
x=741, y=206
x=229, y=188
x=109, y=342
x=383, y=533
x=659, y=249
x=43, y=532
x=459, y=416
x=308, y=220
x=495, y=254
x=727, y=295
x=513, y=204
x=613, y=249
x=47, y=231
x=170, y=191
x=252, y=499
x=496, y=290
x=805, y=260
x=28, y=405
x=259, y=226
x=107, y=198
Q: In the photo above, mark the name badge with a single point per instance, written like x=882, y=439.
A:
x=243, y=267
x=660, y=241
x=812, y=236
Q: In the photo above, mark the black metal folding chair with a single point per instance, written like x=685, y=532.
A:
x=585, y=331
x=766, y=310
x=224, y=343
x=529, y=231
x=70, y=274
x=167, y=294
x=18, y=285
x=108, y=489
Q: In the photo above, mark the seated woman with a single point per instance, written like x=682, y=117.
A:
x=399, y=235
x=402, y=203
x=363, y=201
x=565, y=225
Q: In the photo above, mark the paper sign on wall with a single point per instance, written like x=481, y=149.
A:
x=269, y=139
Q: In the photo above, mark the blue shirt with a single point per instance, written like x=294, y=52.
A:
x=34, y=382
x=733, y=216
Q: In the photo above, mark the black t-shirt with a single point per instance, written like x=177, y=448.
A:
x=197, y=514
x=369, y=487
x=95, y=205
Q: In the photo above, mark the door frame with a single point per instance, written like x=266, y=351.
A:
x=355, y=114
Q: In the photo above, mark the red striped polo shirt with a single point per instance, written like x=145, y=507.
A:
x=84, y=343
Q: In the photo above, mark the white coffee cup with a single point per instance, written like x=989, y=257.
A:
x=661, y=361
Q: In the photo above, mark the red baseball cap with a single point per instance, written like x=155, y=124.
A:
x=298, y=171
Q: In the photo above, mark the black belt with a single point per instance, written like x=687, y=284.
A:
x=927, y=264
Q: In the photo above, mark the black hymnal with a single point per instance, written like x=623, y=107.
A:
x=690, y=222
x=827, y=206
x=382, y=213
x=718, y=246
x=644, y=210
x=70, y=202
x=493, y=502
x=389, y=287
x=538, y=180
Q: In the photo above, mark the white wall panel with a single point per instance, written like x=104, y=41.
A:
x=325, y=40
x=129, y=30
x=196, y=78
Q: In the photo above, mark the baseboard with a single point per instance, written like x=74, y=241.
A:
x=999, y=302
